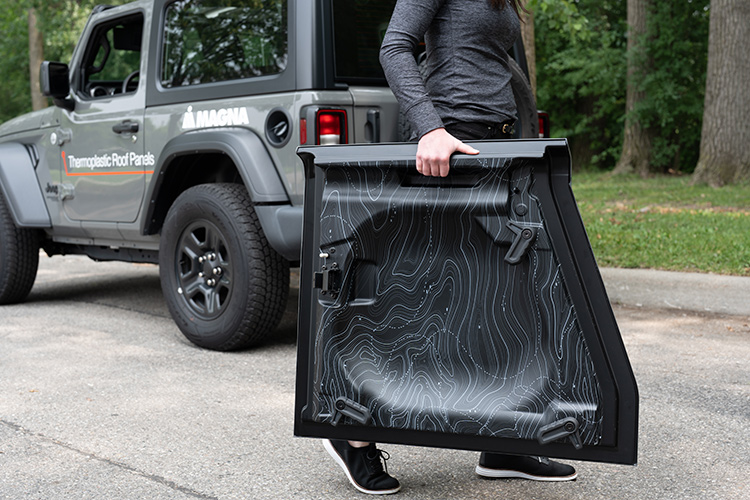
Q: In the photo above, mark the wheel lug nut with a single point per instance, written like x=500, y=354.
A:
x=211, y=282
x=218, y=271
x=212, y=256
x=201, y=274
x=201, y=259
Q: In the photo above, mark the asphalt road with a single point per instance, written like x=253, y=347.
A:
x=102, y=398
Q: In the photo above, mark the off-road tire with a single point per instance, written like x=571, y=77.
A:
x=210, y=227
x=19, y=258
x=527, y=125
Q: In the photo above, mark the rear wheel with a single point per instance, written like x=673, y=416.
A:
x=19, y=258
x=225, y=287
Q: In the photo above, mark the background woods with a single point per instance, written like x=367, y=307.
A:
x=36, y=30
x=626, y=82
x=636, y=85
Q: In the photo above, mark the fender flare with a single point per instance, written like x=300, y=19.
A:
x=259, y=175
x=20, y=187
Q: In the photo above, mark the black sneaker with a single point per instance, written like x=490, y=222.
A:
x=363, y=467
x=494, y=465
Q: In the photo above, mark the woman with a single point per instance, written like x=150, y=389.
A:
x=467, y=90
x=466, y=95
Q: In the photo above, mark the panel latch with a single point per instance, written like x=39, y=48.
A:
x=345, y=407
x=567, y=427
x=525, y=236
x=328, y=280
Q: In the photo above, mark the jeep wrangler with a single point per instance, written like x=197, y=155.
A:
x=172, y=141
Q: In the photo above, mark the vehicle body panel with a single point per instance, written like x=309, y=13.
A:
x=19, y=186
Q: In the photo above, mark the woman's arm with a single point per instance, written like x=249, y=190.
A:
x=410, y=21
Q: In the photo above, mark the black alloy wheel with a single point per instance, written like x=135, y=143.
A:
x=204, y=269
x=225, y=287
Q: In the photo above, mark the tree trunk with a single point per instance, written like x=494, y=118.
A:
x=725, y=137
x=636, y=148
x=529, y=46
x=36, y=56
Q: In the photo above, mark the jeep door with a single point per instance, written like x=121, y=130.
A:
x=462, y=312
x=102, y=161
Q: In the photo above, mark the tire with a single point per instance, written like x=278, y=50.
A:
x=212, y=233
x=527, y=125
x=19, y=258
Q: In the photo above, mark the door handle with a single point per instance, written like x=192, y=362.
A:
x=126, y=126
x=372, y=127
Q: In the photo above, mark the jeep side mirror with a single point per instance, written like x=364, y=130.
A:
x=54, y=80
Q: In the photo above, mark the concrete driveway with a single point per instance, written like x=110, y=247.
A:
x=102, y=398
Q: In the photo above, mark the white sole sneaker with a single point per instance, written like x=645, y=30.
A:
x=335, y=455
x=509, y=474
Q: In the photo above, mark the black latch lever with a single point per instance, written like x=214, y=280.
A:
x=347, y=408
x=525, y=236
x=567, y=427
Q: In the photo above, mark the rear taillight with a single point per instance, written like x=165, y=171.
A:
x=331, y=127
x=543, y=124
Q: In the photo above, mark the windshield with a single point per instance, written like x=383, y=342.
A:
x=358, y=29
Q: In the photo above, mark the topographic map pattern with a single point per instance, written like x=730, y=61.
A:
x=431, y=329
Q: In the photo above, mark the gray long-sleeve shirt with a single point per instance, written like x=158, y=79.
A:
x=467, y=43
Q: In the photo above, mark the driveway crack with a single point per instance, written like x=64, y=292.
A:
x=151, y=477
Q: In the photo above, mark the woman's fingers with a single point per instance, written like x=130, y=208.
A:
x=434, y=152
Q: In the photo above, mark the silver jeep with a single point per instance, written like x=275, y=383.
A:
x=172, y=141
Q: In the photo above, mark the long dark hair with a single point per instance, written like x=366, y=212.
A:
x=516, y=4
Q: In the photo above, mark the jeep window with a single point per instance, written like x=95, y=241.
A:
x=220, y=40
x=113, y=58
x=359, y=27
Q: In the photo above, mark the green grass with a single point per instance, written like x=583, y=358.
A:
x=665, y=223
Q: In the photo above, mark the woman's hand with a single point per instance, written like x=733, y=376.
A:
x=435, y=149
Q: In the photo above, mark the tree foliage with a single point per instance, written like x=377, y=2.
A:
x=677, y=47
x=14, y=63
x=582, y=66
x=60, y=21
x=562, y=16
x=581, y=81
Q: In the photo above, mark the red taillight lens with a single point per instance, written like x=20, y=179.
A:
x=331, y=127
x=329, y=123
